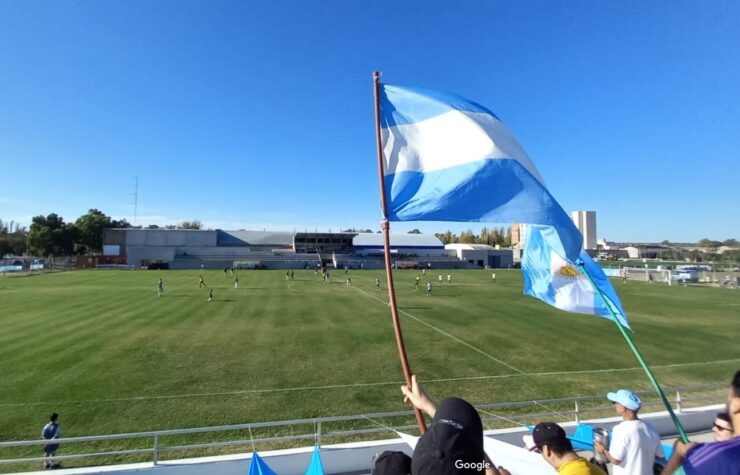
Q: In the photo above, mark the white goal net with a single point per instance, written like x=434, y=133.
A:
x=646, y=275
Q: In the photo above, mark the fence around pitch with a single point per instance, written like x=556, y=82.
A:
x=154, y=446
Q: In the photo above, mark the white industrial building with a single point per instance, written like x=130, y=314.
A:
x=481, y=255
x=585, y=221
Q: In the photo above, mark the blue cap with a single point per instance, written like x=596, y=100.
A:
x=627, y=398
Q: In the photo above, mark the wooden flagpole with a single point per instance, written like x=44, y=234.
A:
x=387, y=244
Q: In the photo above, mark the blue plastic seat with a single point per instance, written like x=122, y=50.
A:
x=583, y=437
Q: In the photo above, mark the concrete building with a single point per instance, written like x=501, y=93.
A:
x=518, y=234
x=481, y=255
x=518, y=231
x=585, y=221
x=189, y=249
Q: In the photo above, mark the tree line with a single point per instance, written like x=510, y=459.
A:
x=52, y=235
x=491, y=236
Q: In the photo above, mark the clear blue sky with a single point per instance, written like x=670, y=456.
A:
x=260, y=114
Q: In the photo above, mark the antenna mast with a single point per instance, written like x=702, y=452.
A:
x=136, y=198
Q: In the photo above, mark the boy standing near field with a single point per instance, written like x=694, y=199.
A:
x=49, y=432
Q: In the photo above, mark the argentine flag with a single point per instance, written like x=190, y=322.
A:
x=561, y=282
x=450, y=159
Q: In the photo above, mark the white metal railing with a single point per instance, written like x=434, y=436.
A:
x=156, y=449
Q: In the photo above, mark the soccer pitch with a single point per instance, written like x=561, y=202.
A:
x=104, y=351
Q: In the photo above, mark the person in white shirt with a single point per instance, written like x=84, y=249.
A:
x=635, y=444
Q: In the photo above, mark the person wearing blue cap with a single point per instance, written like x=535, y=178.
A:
x=635, y=444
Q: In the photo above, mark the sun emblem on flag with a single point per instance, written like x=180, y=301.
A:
x=569, y=271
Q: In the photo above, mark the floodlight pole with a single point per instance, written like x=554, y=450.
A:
x=640, y=358
x=387, y=244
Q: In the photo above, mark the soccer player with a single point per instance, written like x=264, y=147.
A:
x=49, y=432
x=440, y=279
x=210, y=295
x=377, y=284
x=201, y=282
x=292, y=274
x=429, y=288
x=449, y=279
x=349, y=281
x=236, y=281
x=417, y=283
x=160, y=288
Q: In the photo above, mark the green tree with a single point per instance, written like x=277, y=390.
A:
x=730, y=243
x=446, y=237
x=485, y=236
x=467, y=237
x=119, y=223
x=90, y=228
x=13, y=238
x=507, y=237
x=709, y=243
x=194, y=224
x=50, y=235
x=414, y=231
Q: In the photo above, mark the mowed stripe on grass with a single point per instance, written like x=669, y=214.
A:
x=95, y=344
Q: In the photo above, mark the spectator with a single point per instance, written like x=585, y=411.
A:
x=712, y=458
x=550, y=440
x=722, y=427
x=635, y=444
x=453, y=444
x=51, y=431
x=392, y=463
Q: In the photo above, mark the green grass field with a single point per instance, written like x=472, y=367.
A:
x=104, y=351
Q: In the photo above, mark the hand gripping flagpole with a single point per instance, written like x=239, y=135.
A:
x=640, y=358
x=387, y=244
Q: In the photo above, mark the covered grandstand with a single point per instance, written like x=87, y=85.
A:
x=213, y=249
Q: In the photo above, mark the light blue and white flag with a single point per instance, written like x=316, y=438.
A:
x=258, y=466
x=560, y=282
x=315, y=467
x=450, y=159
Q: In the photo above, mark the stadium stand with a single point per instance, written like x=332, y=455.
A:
x=216, y=249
